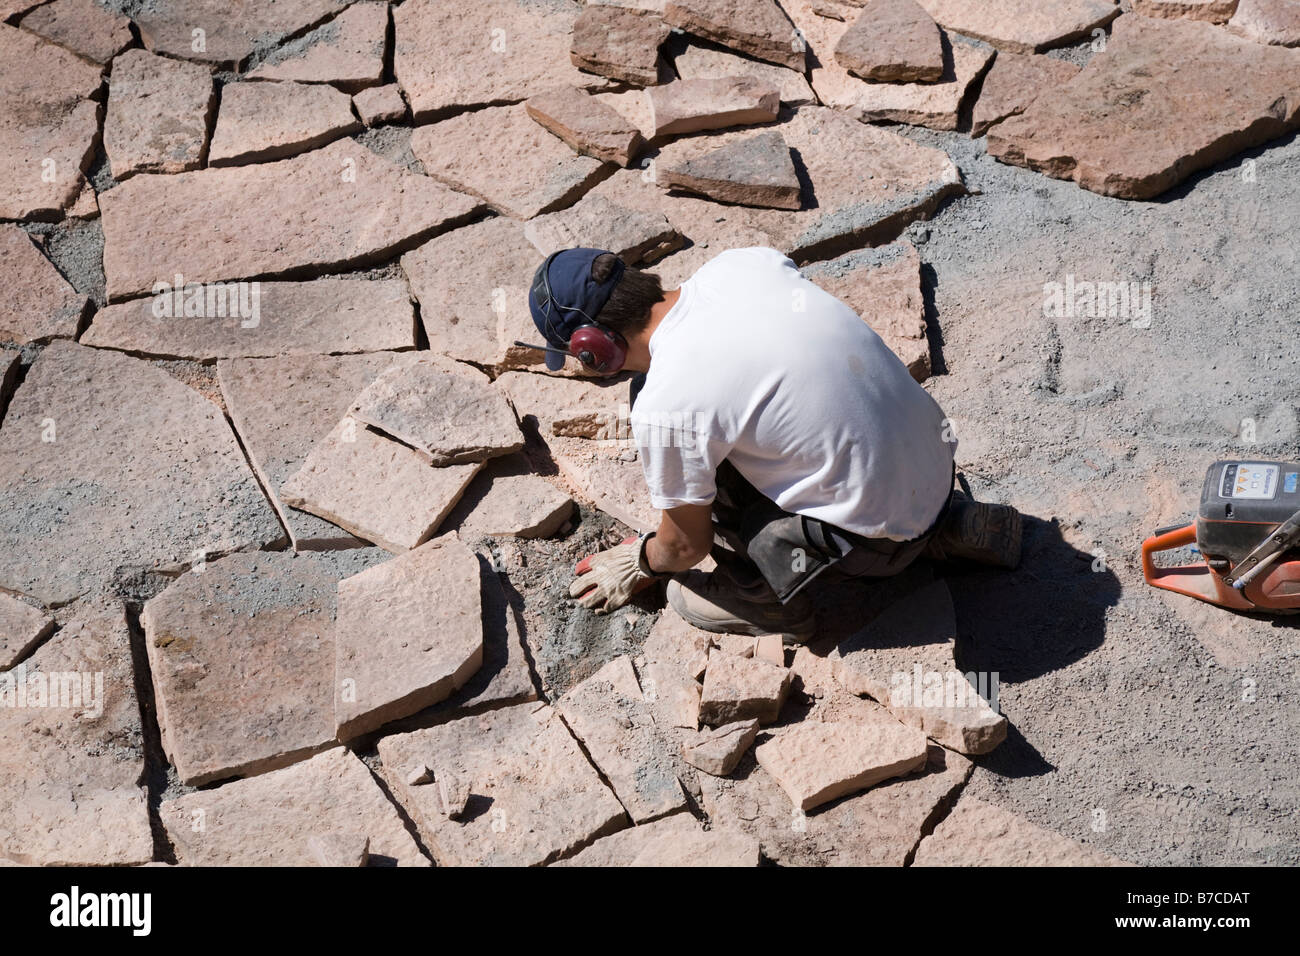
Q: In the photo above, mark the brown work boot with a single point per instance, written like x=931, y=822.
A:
x=713, y=602
x=978, y=531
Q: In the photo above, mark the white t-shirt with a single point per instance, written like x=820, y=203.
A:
x=758, y=365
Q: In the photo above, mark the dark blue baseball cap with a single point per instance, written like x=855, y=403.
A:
x=564, y=296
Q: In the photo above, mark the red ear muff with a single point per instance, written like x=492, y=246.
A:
x=599, y=349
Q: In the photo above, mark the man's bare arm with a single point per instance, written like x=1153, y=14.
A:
x=683, y=539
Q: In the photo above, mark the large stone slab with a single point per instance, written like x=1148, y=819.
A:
x=22, y=627
x=472, y=284
x=678, y=840
x=892, y=41
x=72, y=748
x=1212, y=11
x=242, y=658
x=697, y=60
x=324, y=210
x=904, y=659
x=376, y=488
x=502, y=51
x=409, y=634
x=445, y=415
x=348, y=51
x=533, y=796
x=635, y=235
x=758, y=28
x=516, y=505
x=883, y=285
x=282, y=407
x=87, y=28
x=262, y=319
x=1013, y=82
x=159, y=110
x=614, y=722
x=619, y=43
x=587, y=125
x=263, y=121
x=1023, y=26
x=125, y=469
x=976, y=833
x=279, y=819
x=1135, y=121
x=48, y=125
x=877, y=827
x=689, y=106
x=36, y=302
x=868, y=183
x=755, y=170
x=226, y=36
x=510, y=162
x=1268, y=21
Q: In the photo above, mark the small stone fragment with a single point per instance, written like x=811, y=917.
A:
x=380, y=104
x=453, y=794
x=756, y=27
x=22, y=627
x=264, y=121
x=740, y=688
x=1013, y=82
x=347, y=51
x=620, y=43
x=718, y=751
x=596, y=222
x=689, y=106
x=755, y=171
x=419, y=776
x=36, y=302
x=892, y=41
x=340, y=849
x=769, y=647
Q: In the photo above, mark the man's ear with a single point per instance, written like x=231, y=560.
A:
x=602, y=267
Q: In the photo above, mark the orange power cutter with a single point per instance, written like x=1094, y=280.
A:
x=1248, y=533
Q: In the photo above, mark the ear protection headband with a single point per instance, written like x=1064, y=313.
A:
x=600, y=349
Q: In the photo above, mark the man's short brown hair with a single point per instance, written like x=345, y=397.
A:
x=627, y=311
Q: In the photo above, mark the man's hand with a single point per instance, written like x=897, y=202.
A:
x=606, y=581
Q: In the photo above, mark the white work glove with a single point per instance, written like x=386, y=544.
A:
x=606, y=581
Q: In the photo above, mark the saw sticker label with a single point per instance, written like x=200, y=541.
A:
x=1255, y=481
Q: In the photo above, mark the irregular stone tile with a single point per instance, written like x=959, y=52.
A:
x=614, y=484
x=158, y=114
x=877, y=827
x=533, y=795
x=718, y=751
x=815, y=762
x=510, y=162
x=635, y=235
x=505, y=50
x=376, y=488
x=892, y=41
x=263, y=121
x=1135, y=122
x=554, y=399
x=282, y=407
x=678, y=840
x=976, y=833
x=13, y=8
x=1213, y=11
x=769, y=647
x=587, y=125
x=253, y=320
x=48, y=125
x=1022, y=26
x=754, y=171
x=883, y=285
x=347, y=51
x=85, y=27
x=1267, y=21
x=446, y=416
x=697, y=60
x=242, y=657
x=868, y=183
x=277, y=819
x=87, y=204
x=904, y=659
x=72, y=749
x=328, y=209
x=340, y=849
x=409, y=634
x=380, y=104
x=225, y=39
x=619, y=42
x=689, y=106
x=36, y=302
x=126, y=468
x=520, y=506
x=756, y=27
x=740, y=688
x=676, y=654
x=506, y=676
x=1012, y=84
x=22, y=627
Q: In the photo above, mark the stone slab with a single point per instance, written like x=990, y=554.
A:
x=88, y=29
x=586, y=124
x=1267, y=21
x=260, y=320
x=504, y=158
x=272, y=218
x=126, y=468
x=380, y=104
x=519, y=506
x=891, y=41
x=717, y=751
x=265, y=121
x=1023, y=26
x=347, y=51
x=695, y=59
x=278, y=818
x=678, y=840
x=752, y=171
x=742, y=688
x=619, y=42
x=36, y=302
x=1211, y=11
x=613, y=483
x=635, y=235
x=690, y=106
x=976, y=833
x=676, y=654
x=225, y=39
x=159, y=114
x=533, y=797
x=758, y=28
x=22, y=627
x=1013, y=82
